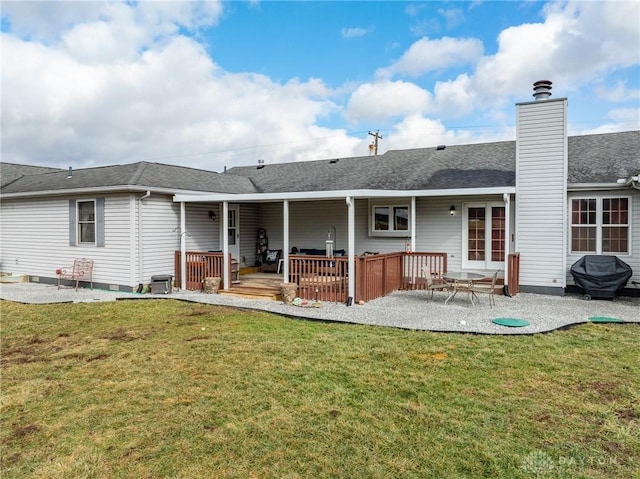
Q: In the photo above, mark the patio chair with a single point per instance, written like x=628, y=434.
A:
x=82, y=270
x=488, y=288
x=433, y=283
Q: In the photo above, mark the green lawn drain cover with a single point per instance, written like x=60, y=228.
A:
x=604, y=319
x=511, y=322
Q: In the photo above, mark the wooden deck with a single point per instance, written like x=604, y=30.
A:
x=325, y=279
x=254, y=285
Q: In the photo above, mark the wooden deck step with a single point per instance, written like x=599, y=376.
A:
x=253, y=292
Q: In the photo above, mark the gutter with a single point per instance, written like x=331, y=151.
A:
x=600, y=186
x=339, y=194
x=140, y=230
x=101, y=190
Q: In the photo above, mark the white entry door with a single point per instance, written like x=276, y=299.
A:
x=484, y=236
x=234, y=231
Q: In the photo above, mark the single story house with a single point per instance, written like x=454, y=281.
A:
x=549, y=197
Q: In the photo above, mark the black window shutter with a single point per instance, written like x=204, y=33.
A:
x=99, y=221
x=72, y=223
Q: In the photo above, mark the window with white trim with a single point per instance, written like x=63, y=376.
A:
x=389, y=219
x=600, y=225
x=86, y=222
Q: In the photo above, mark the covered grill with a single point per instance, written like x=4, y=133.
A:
x=600, y=276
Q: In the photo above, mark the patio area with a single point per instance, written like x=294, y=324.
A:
x=401, y=309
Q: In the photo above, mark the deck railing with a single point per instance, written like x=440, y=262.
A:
x=378, y=275
x=199, y=266
x=415, y=263
x=326, y=279
x=319, y=278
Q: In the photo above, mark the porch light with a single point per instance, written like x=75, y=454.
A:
x=452, y=210
x=212, y=215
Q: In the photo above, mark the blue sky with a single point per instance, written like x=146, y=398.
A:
x=215, y=84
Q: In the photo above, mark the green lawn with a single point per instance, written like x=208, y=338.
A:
x=151, y=389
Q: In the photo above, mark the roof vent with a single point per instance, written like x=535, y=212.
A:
x=260, y=164
x=70, y=174
x=441, y=147
x=334, y=161
x=542, y=90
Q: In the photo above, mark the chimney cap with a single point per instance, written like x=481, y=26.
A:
x=542, y=89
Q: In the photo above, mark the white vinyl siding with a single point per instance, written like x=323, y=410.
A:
x=160, y=236
x=249, y=225
x=541, y=190
x=42, y=244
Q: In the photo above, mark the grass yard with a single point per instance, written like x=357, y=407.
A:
x=162, y=388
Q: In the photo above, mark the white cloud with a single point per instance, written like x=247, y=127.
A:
x=619, y=92
x=107, y=82
x=354, y=32
x=621, y=119
x=418, y=131
x=427, y=55
x=577, y=42
x=453, y=16
x=112, y=90
x=386, y=99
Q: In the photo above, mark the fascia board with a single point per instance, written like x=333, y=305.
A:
x=332, y=195
x=96, y=190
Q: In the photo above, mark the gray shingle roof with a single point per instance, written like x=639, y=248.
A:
x=10, y=172
x=463, y=166
x=143, y=175
x=604, y=158
x=599, y=158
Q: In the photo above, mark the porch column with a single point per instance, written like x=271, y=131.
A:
x=351, y=248
x=413, y=223
x=507, y=235
x=183, y=247
x=226, y=267
x=285, y=239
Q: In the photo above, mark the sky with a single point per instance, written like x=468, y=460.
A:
x=213, y=85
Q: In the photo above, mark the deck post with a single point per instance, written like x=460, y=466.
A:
x=412, y=225
x=285, y=239
x=183, y=247
x=226, y=266
x=351, y=249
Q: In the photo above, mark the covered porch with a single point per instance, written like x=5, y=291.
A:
x=378, y=254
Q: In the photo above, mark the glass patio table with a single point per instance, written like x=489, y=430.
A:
x=461, y=281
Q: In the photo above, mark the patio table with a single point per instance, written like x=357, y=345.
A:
x=462, y=281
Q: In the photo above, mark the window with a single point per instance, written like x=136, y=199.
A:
x=600, y=225
x=86, y=222
x=389, y=220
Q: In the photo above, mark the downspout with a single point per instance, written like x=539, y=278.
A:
x=507, y=237
x=140, y=252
